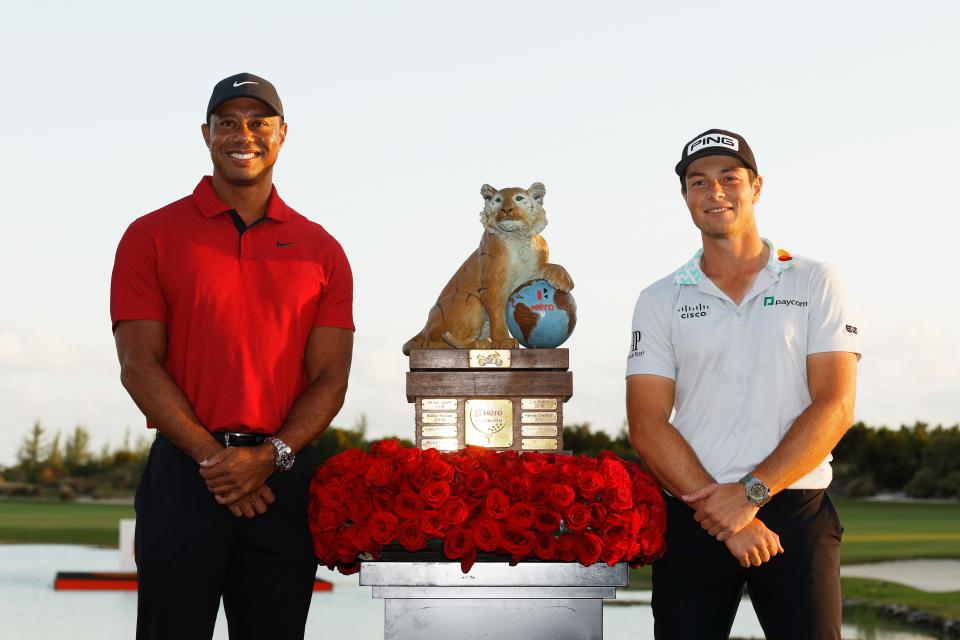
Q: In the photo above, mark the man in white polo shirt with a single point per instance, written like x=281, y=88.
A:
x=756, y=352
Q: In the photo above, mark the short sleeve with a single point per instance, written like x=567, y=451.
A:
x=135, y=292
x=651, y=351
x=832, y=325
x=335, y=307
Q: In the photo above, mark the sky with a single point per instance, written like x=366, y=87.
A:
x=399, y=112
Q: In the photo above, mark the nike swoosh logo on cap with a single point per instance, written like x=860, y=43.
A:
x=237, y=84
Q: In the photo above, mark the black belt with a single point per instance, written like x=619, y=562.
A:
x=236, y=439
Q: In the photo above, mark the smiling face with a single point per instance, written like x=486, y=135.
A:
x=720, y=193
x=244, y=138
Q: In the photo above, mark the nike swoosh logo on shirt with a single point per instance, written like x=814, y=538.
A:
x=237, y=84
x=284, y=244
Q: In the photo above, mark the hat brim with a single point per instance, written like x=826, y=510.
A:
x=681, y=167
x=216, y=106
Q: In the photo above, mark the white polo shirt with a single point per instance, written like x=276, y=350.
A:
x=741, y=371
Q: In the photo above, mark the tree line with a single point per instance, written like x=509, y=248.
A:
x=917, y=460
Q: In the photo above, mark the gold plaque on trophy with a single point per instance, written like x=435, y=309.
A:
x=538, y=430
x=489, y=358
x=538, y=417
x=438, y=418
x=438, y=404
x=541, y=444
x=440, y=444
x=439, y=431
x=489, y=423
x=538, y=404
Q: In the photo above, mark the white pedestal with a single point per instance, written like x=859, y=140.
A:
x=436, y=601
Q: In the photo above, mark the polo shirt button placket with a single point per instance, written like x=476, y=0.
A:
x=739, y=313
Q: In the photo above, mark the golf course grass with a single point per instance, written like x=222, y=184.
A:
x=61, y=522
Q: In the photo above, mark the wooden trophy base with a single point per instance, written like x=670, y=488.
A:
x=504, y=399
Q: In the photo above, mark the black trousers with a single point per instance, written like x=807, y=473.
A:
x=698, y=584
x=190, y=551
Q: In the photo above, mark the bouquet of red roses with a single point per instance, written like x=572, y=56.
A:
x=522, y=505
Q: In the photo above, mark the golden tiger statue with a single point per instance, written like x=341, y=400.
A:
x=470, y=311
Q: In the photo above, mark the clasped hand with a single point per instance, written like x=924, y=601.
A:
x=236, y=476
x=722, y=509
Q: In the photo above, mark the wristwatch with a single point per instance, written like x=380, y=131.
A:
x=757, y=492
x=285, y=456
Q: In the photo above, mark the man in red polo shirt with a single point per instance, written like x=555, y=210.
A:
x=232, y=315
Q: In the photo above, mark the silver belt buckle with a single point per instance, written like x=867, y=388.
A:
x=227, y=435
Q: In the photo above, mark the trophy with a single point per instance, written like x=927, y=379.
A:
x=470, y=381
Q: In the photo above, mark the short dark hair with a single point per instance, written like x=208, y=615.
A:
x=683, y=179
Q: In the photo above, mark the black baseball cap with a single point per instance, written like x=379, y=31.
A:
x=716, y=142
x=245, y=85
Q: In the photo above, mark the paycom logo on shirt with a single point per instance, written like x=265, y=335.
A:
x=770, y=301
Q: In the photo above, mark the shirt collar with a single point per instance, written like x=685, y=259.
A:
x=211, y=205
x=780, y=260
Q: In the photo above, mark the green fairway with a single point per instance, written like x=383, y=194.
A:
x=875, y=531
x=946, y=605
x=61, y=522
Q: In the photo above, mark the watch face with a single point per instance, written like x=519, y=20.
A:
x=757, y=491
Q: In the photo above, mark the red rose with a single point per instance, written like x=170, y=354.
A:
x=382, y=499
x=331, y=494
x=568, y=470
x=408, y=505
x=378, y=473
x=348, y=569
x=358, y=537
x=326, y=520
x=496, y=504
x=566, y=548
x=477, y=482
x=410, y=536
x=588, y=548
x=561, y=495
x=613, y=471
x=347, y=461
x=590, y=483
x=577, y=517
x=545, y=547
x=548, y=520
x=486, y=534
x=358, y=509
x=454, y=511
x=439, y=470
x=534, y=463
x=435, y=493
x=537, y=496
x=521, y=516
x=518, y=486
x=382, y=526
x=431, y=523
x=386, y=447
x=517, y=542
x=651, y=541
x=457, y=542
x=618, y=498
x=597, y=514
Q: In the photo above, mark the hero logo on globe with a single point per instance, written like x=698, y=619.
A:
x=713, y=140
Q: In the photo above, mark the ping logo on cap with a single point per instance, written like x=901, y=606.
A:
x=713, y=140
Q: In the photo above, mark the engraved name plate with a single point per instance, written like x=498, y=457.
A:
x=538, y=404
x=438, y=404
x=489, y=423
x=538, y=430
x=538, y=417
x=489, y=358
x=440, y=444
x=439, y=431
x=539, y=443
x=438, y=418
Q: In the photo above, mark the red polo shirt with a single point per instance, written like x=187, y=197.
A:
x=239, y=307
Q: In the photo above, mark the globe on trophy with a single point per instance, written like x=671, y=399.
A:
x=540, y=316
